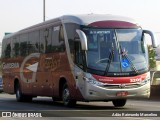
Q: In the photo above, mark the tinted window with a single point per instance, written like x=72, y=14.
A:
x=4, y=43
x=58, y=39
x=48, y=40
x=23, y=44
x=7, y=50
x=16, y=46
x=75, y=46
x=33, y=43
x=71, y=36
x=42, y=41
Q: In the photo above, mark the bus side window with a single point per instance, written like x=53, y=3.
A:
x=45, y=40
x=33, y=42
x=61, y=34
x=78, y=54
x=3, y=48
x=48, y=40
x=23, y=44
x=72, y=50
x=7, y=50
x=58, y=39
x=42, y=41
x=16, y=46
x=61, y=39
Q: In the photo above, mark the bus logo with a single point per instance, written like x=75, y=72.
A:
x=32, y=67
x=122, y=86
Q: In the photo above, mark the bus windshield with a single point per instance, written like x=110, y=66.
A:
x=116, y=51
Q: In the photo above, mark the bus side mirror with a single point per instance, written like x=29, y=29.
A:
x=153, y=38
x=83, y=39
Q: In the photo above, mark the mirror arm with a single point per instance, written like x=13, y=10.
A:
x=153, y=37
x=83, y=39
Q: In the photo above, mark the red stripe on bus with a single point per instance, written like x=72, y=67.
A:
x=121, y=24
x=120, y=80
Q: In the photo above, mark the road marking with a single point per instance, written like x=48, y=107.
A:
x=140, y=104
x=136, y=118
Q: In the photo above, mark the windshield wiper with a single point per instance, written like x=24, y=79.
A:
x=124, y=54
x=111, y=54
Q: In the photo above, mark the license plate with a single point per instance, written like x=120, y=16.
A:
x=122, y=93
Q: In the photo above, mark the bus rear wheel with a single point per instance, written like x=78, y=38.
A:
x=119, y=102
x=67, y=101
x=19, y=96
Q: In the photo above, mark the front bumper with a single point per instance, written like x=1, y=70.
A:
x=98, y=93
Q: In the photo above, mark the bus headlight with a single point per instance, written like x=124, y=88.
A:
x=91, y=80
x=146, y=80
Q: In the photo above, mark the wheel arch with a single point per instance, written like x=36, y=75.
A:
x=62, y=81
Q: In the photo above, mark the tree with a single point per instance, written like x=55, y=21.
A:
x=152, y=61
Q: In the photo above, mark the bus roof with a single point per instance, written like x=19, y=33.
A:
x=87, y=19
x=84, y=19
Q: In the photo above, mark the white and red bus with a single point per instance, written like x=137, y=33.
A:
x=78, y=58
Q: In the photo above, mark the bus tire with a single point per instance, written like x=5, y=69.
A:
x=119, y=102
x=67, y=101
x=19, y=95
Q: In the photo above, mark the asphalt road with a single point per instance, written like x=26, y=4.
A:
x=47, y=109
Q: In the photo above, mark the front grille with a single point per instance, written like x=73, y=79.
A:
x=121, y=86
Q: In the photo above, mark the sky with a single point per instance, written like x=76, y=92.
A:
x=19, y=14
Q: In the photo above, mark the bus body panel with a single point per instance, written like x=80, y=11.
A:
x=50, y=69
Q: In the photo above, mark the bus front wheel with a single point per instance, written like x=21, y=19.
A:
x=67, y=101
x=119, y=102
